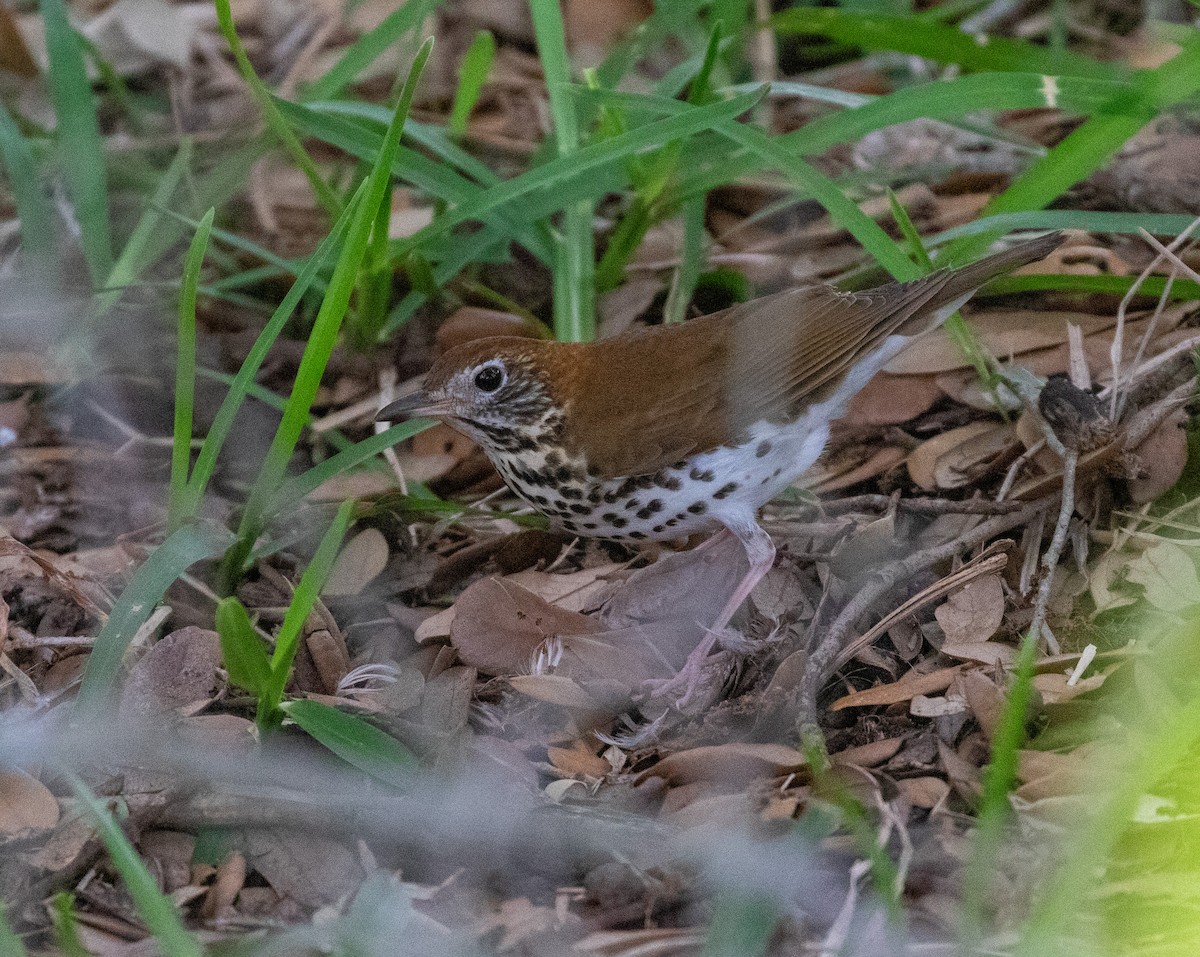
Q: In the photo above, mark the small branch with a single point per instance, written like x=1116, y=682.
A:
x=1037, y=627
x=822, y=662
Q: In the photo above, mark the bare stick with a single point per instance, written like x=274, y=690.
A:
x=823, y=659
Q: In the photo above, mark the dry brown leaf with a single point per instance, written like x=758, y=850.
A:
x=847, y=469
x=964, y=776
x=923, y=706
x=890, y=400
x=984, y=652
x=360, y=562
x=973, y=613
x=1168, y=574
x=498, y=626
x=736, y=761
x=304, y=866
x=177, y=671
x=25, y=804
x=1001, y=332
x=230, y=879
x=469, y=323
x=1055, y=689
x=554, y=689
x=578, y=761
x=1162, y=458
x=869, y=755
x=903, y=690
x=23, y=369
x=930, y=462
x=924, y=792
x=985, y=698
x=1045, y=774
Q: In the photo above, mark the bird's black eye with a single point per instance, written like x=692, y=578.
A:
x=489, y=378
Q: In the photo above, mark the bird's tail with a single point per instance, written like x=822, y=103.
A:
x=969, y=278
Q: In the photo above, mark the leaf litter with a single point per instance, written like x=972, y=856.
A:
x=529, y=669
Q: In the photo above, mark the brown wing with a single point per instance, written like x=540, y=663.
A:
x=647, y=399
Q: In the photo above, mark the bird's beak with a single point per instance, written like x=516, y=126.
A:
x=413, y=404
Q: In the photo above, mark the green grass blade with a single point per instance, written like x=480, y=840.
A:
x=367, y=49
x=275, y=121
x=133, y=258
x=243, y=382
x=912, y=238
x=80, y=147
x=327, y=122
x=472, y=75
x=999, y=779
x=842, y=210
x=324, y=333
x=547, y=188
x=948, y=100
x=302, y=485
x=66, y=926
x=942, y=43
x=154, y=907
x=1113, y=285
x=1160, y=224
x=181, y=550
x=245, y=657
x=10, y=944
x=574, y=263
x=33, y=208
x=355, y=741
x=185, y=377
x=741, y=926
x=683, y=284
x=305, y=597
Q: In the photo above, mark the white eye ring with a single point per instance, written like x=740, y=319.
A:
x=490, y=377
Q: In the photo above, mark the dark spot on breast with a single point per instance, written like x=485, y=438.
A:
x=619, y=522
x=647, y=481
x=672, y=522
x=526, y=442
x=611, y=496
x=629, y=485
x=610, y=516
x=540, y=499
x=553, y=458
x=670, y=482
x=776, y=473
x=725, y=490
x=659, y=528
x=590, y=525
x=637, y=534
x=653, y=508
x=569, y=526
x=763, y=448
x=701, y=476
x=680, y=517
x=581, y=509
x=563, y=473
x=571, y=492
x=698, y=508
x=633, y=503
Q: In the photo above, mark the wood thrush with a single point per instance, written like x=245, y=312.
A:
x=671, y=430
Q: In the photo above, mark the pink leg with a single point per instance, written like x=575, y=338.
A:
x=761, y=552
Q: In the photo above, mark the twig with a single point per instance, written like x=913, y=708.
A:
x=1118, y=343
x=1050, y=560
x=922, y=506
x=822, y=661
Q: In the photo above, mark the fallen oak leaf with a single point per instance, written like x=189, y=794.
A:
x=905, y=689
x=499, y=626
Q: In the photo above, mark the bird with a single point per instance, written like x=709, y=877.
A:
x=666, y=431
